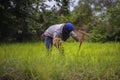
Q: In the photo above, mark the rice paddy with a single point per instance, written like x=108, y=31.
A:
x=30, y=61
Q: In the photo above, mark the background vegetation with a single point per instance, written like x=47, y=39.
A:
x=22, y=20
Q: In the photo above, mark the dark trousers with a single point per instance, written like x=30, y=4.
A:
x=48, y=43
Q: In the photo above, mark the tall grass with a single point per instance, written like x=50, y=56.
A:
x=30, y=61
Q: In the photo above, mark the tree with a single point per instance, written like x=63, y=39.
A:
x=114, y=18
x=15, y=15
x=64, y=6
x=83, y=14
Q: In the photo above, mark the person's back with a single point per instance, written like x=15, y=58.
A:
x=54, y=30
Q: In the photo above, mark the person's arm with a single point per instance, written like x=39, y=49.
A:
x=56, y=40
x=74, y=36
x=55, y=34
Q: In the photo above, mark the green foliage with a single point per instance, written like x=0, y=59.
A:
x=114, y=21
x=99, y=33
x=105, y=25
x=22, y=20
x=30, y=17
x=69, y=18
x=103, y=32
x=17, y=15
x=64, y=6
x=29, y=61
x=83, y=14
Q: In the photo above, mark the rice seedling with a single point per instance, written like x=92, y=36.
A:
x=29, y=61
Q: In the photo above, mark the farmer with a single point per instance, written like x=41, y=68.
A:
x=62, y=31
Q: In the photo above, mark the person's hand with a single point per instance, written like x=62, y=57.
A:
x=81, y=39
x=57, y=42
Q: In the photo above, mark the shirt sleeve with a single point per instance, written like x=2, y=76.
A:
x=55, y=34
x=74, y=36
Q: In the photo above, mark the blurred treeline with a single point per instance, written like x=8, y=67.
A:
x=25, y=20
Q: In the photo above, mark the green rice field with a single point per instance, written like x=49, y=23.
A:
x=30, y=61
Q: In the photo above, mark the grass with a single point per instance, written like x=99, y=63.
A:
x=30, y=61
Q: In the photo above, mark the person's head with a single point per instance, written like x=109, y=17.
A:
x=67, y=28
